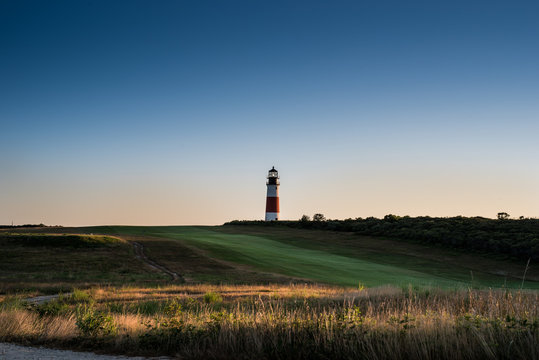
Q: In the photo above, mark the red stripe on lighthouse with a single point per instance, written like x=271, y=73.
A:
x=272, y=204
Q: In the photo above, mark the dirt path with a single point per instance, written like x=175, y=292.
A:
x=139, y=253
x=39, y=300
x=17, y=352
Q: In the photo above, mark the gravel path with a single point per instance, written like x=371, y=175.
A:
x=17, y=352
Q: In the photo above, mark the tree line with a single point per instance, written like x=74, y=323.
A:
x=22, y=226
x=511, y=237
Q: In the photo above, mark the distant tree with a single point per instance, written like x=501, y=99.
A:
x=305, y=218
x=319, y=217
x=521, y=217
x=503, y=216
x=391, y=218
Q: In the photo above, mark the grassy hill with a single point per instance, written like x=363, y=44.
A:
x=52, y=263
x=332, y=257
x=249, y=254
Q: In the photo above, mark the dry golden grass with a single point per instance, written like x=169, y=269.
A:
x=132, y=325
x=18, y=323
x=295, y=321
x=230, y=292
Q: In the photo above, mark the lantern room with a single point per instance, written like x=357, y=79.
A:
x=273, y=177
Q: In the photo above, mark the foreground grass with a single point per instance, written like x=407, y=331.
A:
x=286, y=322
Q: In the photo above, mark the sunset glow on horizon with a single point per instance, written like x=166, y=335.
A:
x=172, y=113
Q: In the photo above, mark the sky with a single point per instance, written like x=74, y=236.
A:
x=172, y=112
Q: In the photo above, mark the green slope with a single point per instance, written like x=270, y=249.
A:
x=269, y=253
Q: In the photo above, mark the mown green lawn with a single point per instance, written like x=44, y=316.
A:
x=335, y=267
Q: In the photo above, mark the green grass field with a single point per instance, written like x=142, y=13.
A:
x=339, y=259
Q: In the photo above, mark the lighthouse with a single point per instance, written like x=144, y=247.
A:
x=272, y=198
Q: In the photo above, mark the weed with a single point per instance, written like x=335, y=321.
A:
x=150, y=307
x=79, y=297
x=13, y=303
x=212, y=297
x=172, y=308
x=53, y=308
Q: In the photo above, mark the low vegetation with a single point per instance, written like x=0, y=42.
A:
x=284, y=322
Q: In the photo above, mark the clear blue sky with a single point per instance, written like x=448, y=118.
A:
x=171, y=112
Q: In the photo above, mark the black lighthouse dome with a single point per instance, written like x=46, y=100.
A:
x=273, y=177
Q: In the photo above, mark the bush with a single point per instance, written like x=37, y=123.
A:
x=172, y=308
x=212, y=297
x=94, y=323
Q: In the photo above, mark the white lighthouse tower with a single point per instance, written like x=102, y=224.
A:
x=272, y=199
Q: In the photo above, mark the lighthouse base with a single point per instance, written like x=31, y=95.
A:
x=272, y=216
